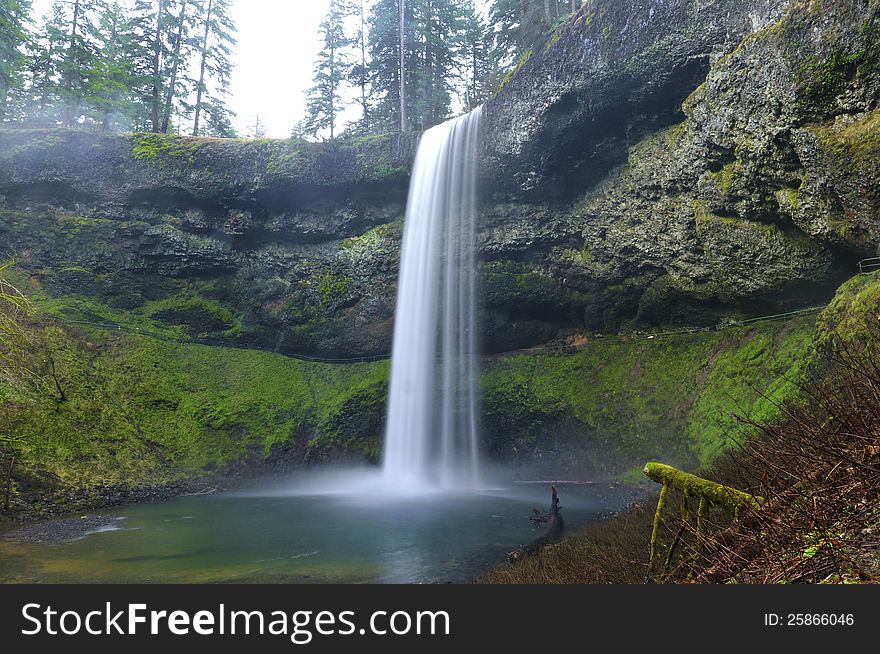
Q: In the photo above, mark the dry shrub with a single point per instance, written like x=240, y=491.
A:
x=817, y=468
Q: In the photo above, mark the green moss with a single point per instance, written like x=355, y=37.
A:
x=728, y=176
x=528, y=54
x=707, y=222
x=820, y=81
x=553, y=40
x=853, y=146
x=331, y=289
x=673, y=398
x=372, y=238
x=141, y=410
x=747, y=381
x=507, y=283
x=852, y=316
x=674, y=134
x=584, y=256
x=149, y=147
x=199, y=316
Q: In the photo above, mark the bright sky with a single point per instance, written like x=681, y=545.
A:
x=277, y=44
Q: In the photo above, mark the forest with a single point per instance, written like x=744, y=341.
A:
x=164, y=66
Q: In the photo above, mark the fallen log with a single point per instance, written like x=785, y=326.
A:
x=708, y=492
x=555, y=525
x=730, y=498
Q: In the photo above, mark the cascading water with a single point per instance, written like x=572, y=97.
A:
x=431, y=438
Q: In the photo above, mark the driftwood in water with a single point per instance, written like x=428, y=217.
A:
x=555, y=524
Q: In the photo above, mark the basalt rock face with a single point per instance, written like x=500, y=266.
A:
x=614, y=69
x=753, y=192
x=281, y=244
x=658, y=162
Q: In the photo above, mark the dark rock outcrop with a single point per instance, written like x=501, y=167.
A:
x=658, y=162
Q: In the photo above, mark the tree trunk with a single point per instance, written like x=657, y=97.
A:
x=574, y=6
x=157, y=66
x=169, y=96
x=547, y=15
x=363, y=76
x=402, y=11
x=332, y=105
x=202, y=69
x=68, y=82
x=62, y=396
x=428, y=88
x=106, y=122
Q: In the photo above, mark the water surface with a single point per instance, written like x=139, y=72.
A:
x=279, y=535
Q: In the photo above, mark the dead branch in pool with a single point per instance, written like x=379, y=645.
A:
x=555, y=525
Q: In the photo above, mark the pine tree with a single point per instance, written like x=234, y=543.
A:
x=519, y=26
x=359, y=71
x=183, y=46
x=332, y=68
x=438, y=27
x=79, y=60
x=14, y=37
x=46, y=62
x=384, y=68
x=215, y=50
x=432, y=47
x=256, y=130
x=112, y=90
x=155, y=24
x=478, y=68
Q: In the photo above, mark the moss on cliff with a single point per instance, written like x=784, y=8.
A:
x=629, y=400
x=197, y=315
x=852, y=146
x=853, y=316
x=140, y=410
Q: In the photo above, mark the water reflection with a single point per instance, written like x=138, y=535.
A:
x=281, y=532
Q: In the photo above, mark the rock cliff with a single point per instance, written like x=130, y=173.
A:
x=658, y=162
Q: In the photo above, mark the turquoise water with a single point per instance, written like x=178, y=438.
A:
x=282, y=535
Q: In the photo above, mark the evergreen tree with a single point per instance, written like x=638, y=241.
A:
x=433, y=45
x=80, y=58
x=384, y=67
x=46, y=63
x=14, y=37
x=113, y=98
x=359, y=71
x=149, y=25
x=519, y=26
x=215, y=50
x=438, y=28
x=155, y=25
x=478, y=67
x=332, y=68
x=256, y=130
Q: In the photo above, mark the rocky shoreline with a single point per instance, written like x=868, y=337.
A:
x=58, y=515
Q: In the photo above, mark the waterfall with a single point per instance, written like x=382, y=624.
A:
x=431, y=437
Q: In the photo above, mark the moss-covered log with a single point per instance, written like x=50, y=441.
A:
x=732, y=499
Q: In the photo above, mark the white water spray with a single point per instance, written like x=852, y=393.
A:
x=431, y=438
